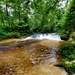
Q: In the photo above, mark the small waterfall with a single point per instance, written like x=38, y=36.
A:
x=48, y=36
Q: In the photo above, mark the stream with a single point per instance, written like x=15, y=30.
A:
x=33, y=55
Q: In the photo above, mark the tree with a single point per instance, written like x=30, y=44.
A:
x=44, y=17
x=70, y=16
x=68, y=21
x=29, y=16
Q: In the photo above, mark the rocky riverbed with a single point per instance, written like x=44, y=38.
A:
x=30, y=57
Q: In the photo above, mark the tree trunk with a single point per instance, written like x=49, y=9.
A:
x=7, y=15
x=19, y=16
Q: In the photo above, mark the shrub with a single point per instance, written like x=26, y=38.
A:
x=13, y=35
x=67, y=51
x=5, y=35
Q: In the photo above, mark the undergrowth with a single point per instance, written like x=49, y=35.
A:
x=67, y=51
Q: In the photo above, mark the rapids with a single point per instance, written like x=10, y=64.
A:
x=48, y=36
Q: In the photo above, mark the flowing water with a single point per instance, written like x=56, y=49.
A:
x=34, y=55
x=52, y=36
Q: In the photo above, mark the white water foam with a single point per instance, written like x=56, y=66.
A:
x=51, y=36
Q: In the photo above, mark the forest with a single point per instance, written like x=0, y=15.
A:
x=21, y=18
x=26, y=17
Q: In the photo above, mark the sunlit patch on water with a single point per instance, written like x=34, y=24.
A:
x=8, y=40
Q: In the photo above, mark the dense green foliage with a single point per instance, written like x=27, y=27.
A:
x=25, y=17
x=68, y=21
x=28, y=16
x=67, y=50
x=33, y=16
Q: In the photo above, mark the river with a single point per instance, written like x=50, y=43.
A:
x=30, y=56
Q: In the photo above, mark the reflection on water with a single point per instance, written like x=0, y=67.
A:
x=30, y=57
